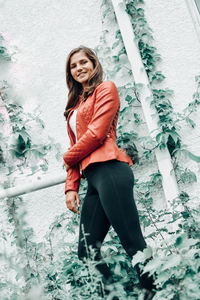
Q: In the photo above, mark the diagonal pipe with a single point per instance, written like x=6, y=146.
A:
x=165, y=166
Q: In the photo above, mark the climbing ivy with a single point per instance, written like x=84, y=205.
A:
x=176, y=228
x=18, y=154
x=4, y=54
x=168, y=119
x=51, y=269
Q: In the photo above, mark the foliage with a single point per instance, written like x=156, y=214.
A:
x=20, y=147
x=177, y=262
x=51, y=269
x=158, y=222
x=18, y=154
x=4, y=53
x=168, y=119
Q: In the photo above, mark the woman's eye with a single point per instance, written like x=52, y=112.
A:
x=84, y=61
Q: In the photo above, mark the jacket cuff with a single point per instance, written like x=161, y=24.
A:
x=72, y=186
x=73, y=179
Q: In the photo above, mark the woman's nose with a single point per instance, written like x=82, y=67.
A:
x=79, y=67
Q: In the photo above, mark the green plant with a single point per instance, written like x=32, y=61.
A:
x=158, y=223
x=18, y=154
x=51, y=269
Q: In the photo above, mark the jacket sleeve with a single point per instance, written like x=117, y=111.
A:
x=73, y=179
x=106, y=105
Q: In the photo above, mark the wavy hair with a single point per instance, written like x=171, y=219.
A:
x=75, y=88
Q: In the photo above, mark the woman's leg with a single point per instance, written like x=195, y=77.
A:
x=94, y=226
x=114, y=182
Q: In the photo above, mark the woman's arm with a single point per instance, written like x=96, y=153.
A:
x=71, y=188
x=73, y=179
x=106, y=105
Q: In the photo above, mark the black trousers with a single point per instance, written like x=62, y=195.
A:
x=109, y=201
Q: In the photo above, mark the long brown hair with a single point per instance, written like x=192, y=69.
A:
x=75, y=88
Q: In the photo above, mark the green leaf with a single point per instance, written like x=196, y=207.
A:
x=115, y=44
x=175, y=136
x=158, y=136
x=193, y=157
x=153, y=265
x=138, y=257
x=190, y=122
x=129, y=99
x=163, y=277
x=185, y=214
x=141, y=256
x=179, y=240
x=173, y=260
x=197, y=78
x=186, y=242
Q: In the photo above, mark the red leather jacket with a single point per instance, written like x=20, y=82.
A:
x=96, y=123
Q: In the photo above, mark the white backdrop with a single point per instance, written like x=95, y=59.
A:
x=45, y=31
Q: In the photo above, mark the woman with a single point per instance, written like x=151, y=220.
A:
x=92, y=112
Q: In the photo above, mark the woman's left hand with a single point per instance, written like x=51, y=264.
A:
x=66, y=166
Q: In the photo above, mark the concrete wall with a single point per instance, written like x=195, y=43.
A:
x=45, y=31
x=177, y=41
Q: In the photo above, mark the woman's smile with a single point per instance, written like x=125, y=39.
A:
x=81, y=74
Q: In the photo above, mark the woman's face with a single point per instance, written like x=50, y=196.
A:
x=81, y=67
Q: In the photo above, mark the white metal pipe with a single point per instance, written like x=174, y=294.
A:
x=195, y=16
x=35, y=185
x=165, y=166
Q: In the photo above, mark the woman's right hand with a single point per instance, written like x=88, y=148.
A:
x=73, y=201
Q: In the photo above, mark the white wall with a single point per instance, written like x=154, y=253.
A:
x=177, y=42
x=45, y=31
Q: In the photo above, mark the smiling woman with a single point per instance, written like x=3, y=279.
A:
x=109, y=200
x=81, y=60
x=81, y=68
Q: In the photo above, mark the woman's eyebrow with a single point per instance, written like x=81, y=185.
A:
x=78, y=61
x=72, y=64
